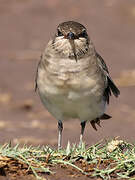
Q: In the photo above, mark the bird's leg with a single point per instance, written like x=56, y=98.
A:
x=60, y=128
x=82, y=131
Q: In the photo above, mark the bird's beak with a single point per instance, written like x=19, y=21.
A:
x=71, y=38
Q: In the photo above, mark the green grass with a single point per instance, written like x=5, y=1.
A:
x=106, y=159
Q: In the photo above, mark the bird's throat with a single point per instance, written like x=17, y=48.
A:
x=72, y=43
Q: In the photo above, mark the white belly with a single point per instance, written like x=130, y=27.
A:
x=72, y=90
x=73, y=105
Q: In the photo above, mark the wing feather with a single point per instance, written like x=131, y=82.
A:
x=36, y=86
x=111, y=87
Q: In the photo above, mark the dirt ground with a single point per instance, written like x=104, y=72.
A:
x=25, y=28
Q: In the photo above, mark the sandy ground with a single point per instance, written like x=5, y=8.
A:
x=25, y=28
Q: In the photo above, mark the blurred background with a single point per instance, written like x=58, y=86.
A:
x=25, y=28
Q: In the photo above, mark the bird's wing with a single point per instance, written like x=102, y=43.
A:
x=37, y=74
x=111, y=87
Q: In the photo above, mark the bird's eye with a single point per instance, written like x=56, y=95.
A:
x=59, y=33
x=83, y=34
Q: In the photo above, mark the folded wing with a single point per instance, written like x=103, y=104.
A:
x=111, y=87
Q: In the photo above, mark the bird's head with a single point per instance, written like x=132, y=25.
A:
x=71, y=39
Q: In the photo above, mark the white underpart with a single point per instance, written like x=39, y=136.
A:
x=71, y=96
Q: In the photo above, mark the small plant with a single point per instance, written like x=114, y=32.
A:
x=110, y=159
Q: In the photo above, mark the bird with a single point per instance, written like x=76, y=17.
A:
x=73, y=80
